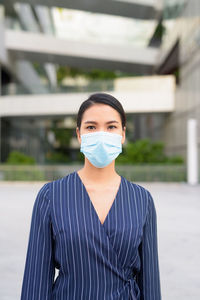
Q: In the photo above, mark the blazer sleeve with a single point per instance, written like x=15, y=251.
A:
x=149, y=276
x=39, y=268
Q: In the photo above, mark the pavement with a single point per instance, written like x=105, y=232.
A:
x=178, y=223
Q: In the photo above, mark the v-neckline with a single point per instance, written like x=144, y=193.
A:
x=92, y=205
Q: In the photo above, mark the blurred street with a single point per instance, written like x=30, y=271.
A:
x=178, y=208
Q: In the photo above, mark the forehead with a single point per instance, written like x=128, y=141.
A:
x=102, y=111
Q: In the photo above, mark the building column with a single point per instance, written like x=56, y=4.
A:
x=192, y=152
x=0, y=115
x=2, y=58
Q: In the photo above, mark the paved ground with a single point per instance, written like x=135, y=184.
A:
x=178, y=218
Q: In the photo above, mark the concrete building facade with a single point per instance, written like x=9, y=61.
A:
x=171, y=49
x=180, y=54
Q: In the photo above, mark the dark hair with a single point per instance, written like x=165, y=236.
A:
x=101, y=98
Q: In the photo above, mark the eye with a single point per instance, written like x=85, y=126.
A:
x=112, y=126
x=89, y=127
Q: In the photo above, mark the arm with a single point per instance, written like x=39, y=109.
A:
x=39, y=268
x=149, y=277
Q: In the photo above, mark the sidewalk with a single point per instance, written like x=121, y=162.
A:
x=178, y=211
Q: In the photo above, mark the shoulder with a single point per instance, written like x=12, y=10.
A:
x=41, y=203
x=59, y=186
x=142, y=196
x=61, y=180
x=139, y=190
x=150, y=210
x=43, y=192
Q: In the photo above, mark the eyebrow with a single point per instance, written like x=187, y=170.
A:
x=93, y=122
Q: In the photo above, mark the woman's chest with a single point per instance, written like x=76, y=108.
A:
x=77, y=222
x=102, y=201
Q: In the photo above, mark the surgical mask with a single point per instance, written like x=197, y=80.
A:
x=101, y=147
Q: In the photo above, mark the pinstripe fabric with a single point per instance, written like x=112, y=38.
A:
x=114, y=260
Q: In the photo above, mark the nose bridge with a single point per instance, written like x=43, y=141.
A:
x=102, y=127
x=101, y=124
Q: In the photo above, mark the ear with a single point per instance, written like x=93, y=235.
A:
x=123, y=135
x=78, y=135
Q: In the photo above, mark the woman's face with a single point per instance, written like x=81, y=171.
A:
x=101, y=117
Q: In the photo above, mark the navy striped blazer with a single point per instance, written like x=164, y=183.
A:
x=114, y=260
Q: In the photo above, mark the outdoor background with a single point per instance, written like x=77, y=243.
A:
x=146, y=53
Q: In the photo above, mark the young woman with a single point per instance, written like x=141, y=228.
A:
x=95, y=226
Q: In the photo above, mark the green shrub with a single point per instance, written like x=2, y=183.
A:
x=176, y=159
x=18, y=158
x=146, y=152
x=20, y=173
x=57, y=157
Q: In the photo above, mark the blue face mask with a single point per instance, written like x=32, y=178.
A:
x=101, y=147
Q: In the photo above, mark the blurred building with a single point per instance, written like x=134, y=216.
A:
x=154, y=43
x=180, y=55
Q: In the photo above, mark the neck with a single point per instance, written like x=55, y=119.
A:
x=99, y=175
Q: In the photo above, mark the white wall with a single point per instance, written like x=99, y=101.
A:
x=148, y=94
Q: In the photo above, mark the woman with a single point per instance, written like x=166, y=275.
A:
x=96, y=227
